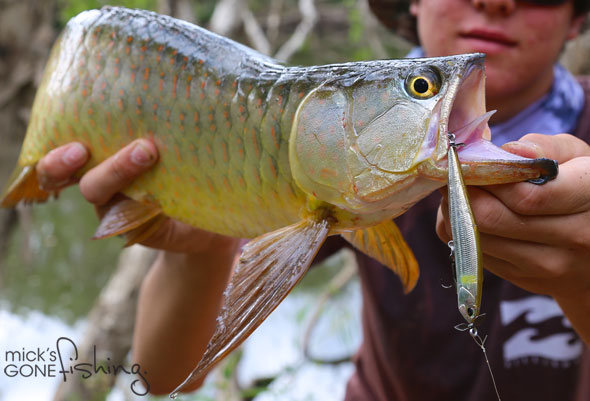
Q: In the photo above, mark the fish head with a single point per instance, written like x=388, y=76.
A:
x=376, y=142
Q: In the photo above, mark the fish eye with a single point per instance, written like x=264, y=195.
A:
x=423, y=84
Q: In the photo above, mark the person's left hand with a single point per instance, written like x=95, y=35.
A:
x=538, y=236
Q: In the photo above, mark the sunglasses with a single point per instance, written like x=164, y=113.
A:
x=544, y=2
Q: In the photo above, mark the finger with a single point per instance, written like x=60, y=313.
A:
x=517, y=253
x=548, y=269
x=56, y=169
x=561, y=147
x=493, y=217
x=510, y=272
x=118, y=171
x=569, y=193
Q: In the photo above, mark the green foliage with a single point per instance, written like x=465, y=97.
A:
x=54, y=267
x=71, y=8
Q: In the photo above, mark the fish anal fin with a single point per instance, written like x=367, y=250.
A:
x=385, y=243
x=269, y=267
x=127, y=216
x=23, y=185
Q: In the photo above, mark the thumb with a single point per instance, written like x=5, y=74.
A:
x=561, y=147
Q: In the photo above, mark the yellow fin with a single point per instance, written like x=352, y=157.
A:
x=385, y=243
x=269, y=267
x=128, y=216
x=23, y=185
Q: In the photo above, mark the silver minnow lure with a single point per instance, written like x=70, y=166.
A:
x=467, y=253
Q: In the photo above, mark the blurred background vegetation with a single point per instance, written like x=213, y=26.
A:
x=48, y=262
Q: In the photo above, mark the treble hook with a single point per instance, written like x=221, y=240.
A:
x=452, y=260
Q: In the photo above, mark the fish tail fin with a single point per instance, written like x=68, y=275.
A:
x=23, y=185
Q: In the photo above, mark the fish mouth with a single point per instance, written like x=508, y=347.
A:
x=463, y=113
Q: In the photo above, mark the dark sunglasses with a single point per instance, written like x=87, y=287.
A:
x=544, y=2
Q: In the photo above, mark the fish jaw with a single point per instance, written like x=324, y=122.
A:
x=462, y=113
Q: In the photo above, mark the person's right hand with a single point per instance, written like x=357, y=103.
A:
x=102, y=184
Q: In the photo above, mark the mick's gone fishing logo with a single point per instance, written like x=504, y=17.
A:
x=65, y=362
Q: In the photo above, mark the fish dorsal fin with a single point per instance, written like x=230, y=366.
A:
x=269, y=267
x=385, y=243
x=127, y=216
x=23, y=185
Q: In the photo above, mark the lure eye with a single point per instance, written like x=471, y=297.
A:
x=423, y=84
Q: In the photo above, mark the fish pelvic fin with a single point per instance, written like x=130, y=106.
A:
x=23, y=185
x=137, y=220
x=385, y=243
x=268, y=269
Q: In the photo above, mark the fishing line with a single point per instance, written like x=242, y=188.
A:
x=472, y=329
x=464, y=229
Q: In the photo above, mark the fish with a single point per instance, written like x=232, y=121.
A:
x=252, y=148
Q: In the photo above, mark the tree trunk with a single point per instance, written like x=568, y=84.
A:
x=110, y=328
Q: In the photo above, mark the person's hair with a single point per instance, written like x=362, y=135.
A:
x=395, y=14
x=581, y=7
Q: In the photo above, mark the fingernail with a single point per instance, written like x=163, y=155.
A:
x=524, y=149
x=75, y=155
x=141, y=155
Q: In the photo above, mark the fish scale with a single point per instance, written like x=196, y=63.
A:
x=189, y=102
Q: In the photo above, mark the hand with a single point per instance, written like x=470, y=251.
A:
x=171, y=334
x=102, y=184
x=538, y=237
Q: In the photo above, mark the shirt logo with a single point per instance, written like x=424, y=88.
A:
x=542, y=334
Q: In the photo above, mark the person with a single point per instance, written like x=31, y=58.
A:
x=535, y=239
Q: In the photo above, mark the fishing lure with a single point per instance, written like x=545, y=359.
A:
x=466, y=254
x=465, y=244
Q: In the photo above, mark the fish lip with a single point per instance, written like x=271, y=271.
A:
x=464, y=104
x=488, y=35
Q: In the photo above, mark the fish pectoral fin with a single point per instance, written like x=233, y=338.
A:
x=23, y=185
x=137, y=220
x=385, y=243
x=269, y=267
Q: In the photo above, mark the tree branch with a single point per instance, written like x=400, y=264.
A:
x=309, y=18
